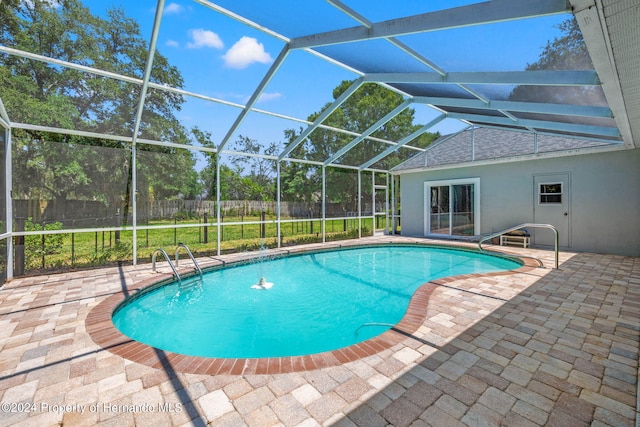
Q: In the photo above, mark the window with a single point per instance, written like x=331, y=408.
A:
x=550, y=194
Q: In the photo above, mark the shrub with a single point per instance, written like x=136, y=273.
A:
x=185, y=215
x=35, y=249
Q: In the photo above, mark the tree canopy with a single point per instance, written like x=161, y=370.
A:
x=360, y=111
x=50, y=165
x=62, y=167
x=567, y=52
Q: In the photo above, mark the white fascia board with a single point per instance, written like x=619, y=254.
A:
x=592, y=23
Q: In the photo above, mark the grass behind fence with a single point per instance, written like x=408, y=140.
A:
x=86, y=249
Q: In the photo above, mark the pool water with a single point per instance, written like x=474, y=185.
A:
x=318, y=302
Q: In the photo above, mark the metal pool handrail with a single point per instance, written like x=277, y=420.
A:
x=182, y=245
x=517, y=227
x=153, y=262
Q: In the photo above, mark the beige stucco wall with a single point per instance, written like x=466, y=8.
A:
x=605, y=198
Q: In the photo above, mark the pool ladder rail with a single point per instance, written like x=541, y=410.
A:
x=186, y=248
x=171, y=264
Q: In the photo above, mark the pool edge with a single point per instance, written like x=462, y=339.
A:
x=100, y=327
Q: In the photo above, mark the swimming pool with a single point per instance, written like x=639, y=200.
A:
x=318, y=302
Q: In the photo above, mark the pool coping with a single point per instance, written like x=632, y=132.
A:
x=102, y=331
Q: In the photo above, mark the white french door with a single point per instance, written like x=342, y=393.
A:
x=452, y=208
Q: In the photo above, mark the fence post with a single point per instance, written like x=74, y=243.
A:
x=206, y=228
x=117, y=232
x=43, y=247
x=18, y=267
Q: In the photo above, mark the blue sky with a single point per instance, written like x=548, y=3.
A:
x=222, y=58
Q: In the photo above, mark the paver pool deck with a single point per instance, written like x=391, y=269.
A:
x=537, y=346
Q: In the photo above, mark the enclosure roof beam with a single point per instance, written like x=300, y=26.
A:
x=242, y=20
x=464, y=16
x=115, y=76
x=377, y=125
x=326, y=113
x=535, y=78
x=539, y=124
x=526, y=107
x=403, y=46
x=400, y=45
x=3, y=114
x=255, y=96
x=403, y=141
x=147, y=70
x=136, y=81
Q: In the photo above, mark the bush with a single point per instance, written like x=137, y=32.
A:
x=121, y=251
x=185, y=215
x=35, y=249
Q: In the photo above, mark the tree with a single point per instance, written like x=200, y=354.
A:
x=207, y=175
x=59, y=166
x=360, y=111
x=567, y=52
x=250, y=178
x=260, y=171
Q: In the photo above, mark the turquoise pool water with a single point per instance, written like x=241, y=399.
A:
x=318, y=301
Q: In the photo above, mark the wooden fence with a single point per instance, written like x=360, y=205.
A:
x=90, y=214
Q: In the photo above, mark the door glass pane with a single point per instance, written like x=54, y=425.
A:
x=439, y=210
x=463, y=210
x=551, y=193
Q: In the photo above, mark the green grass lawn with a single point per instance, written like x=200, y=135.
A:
x=87, y=249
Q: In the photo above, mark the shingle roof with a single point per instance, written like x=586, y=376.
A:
x=482, y=143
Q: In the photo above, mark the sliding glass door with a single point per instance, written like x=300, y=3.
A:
x=452, y=208
x=440, y=217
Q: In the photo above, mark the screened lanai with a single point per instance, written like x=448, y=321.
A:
x=231, y=126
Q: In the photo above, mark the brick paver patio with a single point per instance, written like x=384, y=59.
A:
x=535, y=347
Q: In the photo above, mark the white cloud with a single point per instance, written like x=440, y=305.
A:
x=246, y=51
x=204, y=38
x=266, y=97
x=172, y=43
x=173, y=8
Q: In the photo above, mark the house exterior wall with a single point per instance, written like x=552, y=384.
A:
x=605, y=198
